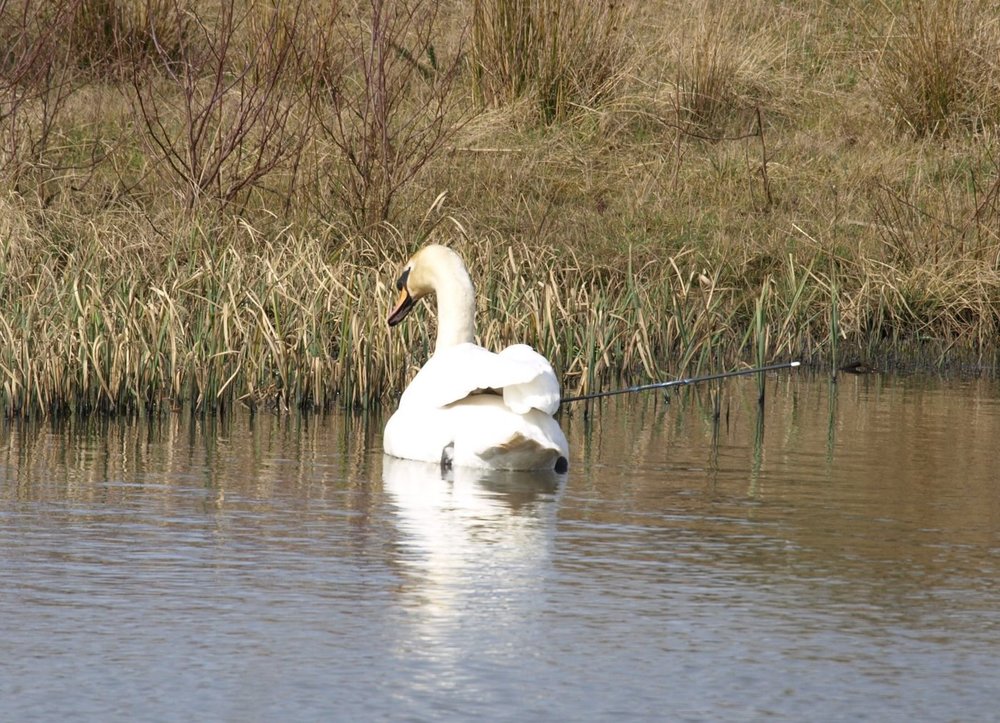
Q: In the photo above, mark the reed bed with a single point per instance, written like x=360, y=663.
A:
x=282, y=322
x=205, y=205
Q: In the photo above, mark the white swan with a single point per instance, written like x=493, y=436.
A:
x=468, y=406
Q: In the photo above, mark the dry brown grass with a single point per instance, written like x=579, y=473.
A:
x=940, y=65
x=562, y=55
x=753, y=183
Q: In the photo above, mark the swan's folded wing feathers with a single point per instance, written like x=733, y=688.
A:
x=522, y=375
x=541, y=388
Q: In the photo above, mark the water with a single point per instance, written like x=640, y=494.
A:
x=838, y=561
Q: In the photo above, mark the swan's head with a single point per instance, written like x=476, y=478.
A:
x=432, y=269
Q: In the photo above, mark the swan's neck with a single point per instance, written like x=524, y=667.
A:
x=456, y=303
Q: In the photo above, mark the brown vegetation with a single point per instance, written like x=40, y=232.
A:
x=203, y=203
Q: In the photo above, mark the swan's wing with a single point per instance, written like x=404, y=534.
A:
x=539, y=388
x=450, y=375
x=523, y=376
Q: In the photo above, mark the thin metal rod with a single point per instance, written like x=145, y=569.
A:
x=684, y=382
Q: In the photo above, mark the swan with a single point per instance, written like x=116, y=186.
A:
x=468, y=406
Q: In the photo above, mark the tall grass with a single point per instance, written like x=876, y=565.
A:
x=277, y=323
x=560, y=55
x=108, y=39
x=206, y=205
x=939, y=68
x=726, y=68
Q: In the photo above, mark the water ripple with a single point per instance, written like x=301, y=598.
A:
x=838, y=562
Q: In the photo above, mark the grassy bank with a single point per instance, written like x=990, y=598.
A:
x=207, y=205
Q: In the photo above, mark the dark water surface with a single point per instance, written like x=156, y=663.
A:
x=841, y=561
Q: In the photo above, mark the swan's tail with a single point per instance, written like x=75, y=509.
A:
x=523, y=452
x=512, y=441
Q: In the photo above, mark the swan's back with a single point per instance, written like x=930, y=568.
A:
x=522, y=376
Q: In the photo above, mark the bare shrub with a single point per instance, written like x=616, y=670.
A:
x=34, y=81
x=383, y=97
x=219, y=115
x=562, y=54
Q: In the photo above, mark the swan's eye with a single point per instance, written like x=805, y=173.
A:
x=401, y=281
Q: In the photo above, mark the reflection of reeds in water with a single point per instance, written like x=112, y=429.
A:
x=187, y=459
x=757, y=456
x=831, y=424
x=834, y=323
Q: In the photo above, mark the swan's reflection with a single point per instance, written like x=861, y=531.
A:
x=474, y=545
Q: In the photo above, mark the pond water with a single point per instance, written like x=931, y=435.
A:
x=836, y=558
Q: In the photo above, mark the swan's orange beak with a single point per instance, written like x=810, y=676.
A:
x=404, y=303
